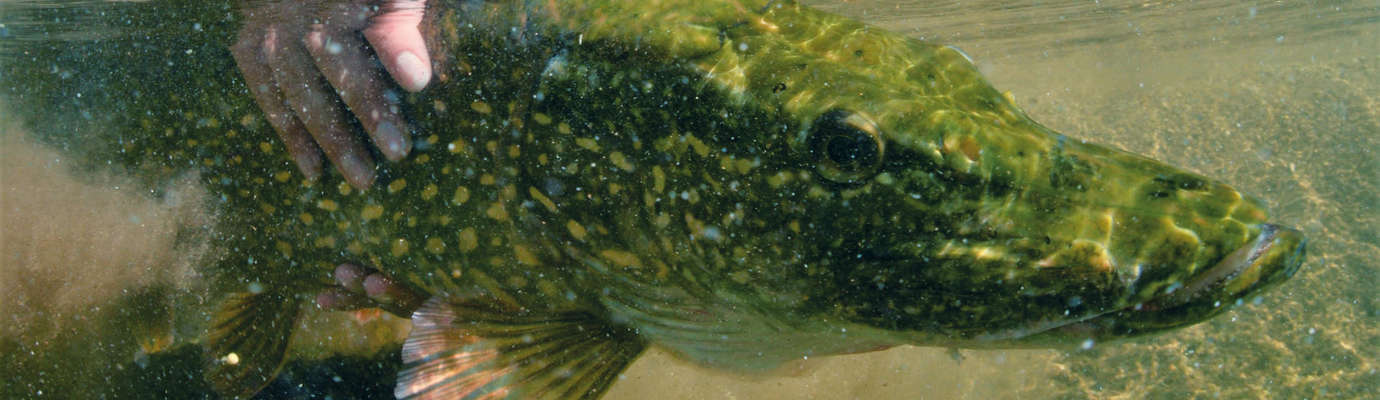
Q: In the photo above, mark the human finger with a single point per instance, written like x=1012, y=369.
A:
x=392, y=295
x=343, y=59
x=255, y=44
x=339, y=299
x=393, y=33
x=319, y=110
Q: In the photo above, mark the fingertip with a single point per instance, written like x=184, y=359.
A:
x=410, y=71
x=309, y=162
x=401, y=48
x=350, y=277
x=358, y=171
x=391, y=141
x=378, y=286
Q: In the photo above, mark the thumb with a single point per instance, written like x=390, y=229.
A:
x=393, y=34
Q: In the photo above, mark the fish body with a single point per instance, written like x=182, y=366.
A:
x=741, y=182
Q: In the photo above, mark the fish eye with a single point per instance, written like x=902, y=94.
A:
x=846, y=146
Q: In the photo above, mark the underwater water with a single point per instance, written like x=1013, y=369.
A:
x=1278, y=100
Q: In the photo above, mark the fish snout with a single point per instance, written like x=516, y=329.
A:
x=1273, y=256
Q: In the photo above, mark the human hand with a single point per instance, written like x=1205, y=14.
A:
x=358, y=287
x=302, y=59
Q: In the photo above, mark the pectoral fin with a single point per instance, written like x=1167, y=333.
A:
x=248, y=341
x=476, y=348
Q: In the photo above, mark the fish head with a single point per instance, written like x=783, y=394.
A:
x=943, y=215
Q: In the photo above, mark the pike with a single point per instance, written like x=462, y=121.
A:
x=741, y=182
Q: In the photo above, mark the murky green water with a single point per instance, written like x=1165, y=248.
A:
x=1277, y=99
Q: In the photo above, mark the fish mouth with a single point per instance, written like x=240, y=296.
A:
x=1272, y=257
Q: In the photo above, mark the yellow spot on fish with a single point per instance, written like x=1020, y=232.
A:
x=399, y=247
x=694, y=224
x=542, y=159
x=481, y=107
x=587, y=143
x=267, y=208
x=325, y=242
x=266, y=147
x=435, y=246
x=658, y=179
x=486, y=179
x=462, y=194
x=775, y=181
x=700, y=148
x=396, y=185
x=744, y=166
x=344, y=188
x=576, y=230
x=536, y=194
x=542, y=118
x=525, y=256
x=620, y=161
x=282, y=176
x=306, y=218
x=372, y=211
x=514, y=151
x=455, y=147
x=497, y=211
x=794, y=225
x=422, y=159
x=429, y=191
x=563, y=128
x=621, y=258
x=284, y=247
x=468, y=240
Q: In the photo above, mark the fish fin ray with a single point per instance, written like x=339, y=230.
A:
x=248, y=341
x=477, y=348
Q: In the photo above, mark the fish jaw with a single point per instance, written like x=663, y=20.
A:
x=1271, y=258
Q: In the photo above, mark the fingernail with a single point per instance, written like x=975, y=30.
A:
x=391, y=140
x=350, y=277
x=413, y=74
x=309, y=164
x=379, y=288
x=358, y=172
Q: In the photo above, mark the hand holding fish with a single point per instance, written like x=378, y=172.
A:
x=301, y=74
x=360, y=287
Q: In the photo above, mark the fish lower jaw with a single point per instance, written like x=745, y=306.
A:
x=1274, y=254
